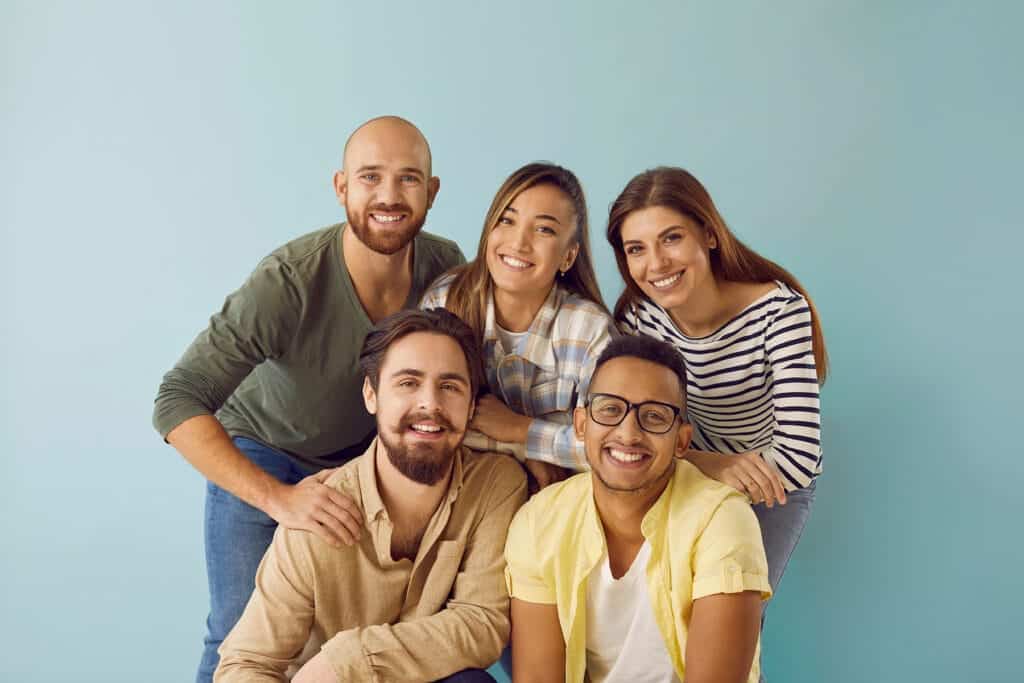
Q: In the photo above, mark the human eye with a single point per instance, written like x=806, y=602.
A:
x=410, y=179
x=546, y=230
x=505, y=220
x=634, y=249
x=673, y=237
x=657, y=416
x=609, y=408
x=452, y=387
x=370, y=177
x=407, y=383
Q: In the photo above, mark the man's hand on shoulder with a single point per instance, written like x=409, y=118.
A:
x=313, y=506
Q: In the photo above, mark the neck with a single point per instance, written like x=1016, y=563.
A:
x=515, y=311
x=622, y=512
x=368, y=267
x=704, y=308
x=409, y=503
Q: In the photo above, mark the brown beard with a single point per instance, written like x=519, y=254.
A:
x=384, y=243
x=424, y=465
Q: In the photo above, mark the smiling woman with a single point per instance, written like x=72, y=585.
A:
x=532, y=298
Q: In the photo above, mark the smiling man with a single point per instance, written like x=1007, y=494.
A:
x=269, y=392
x=420, y=597
x=642, y=569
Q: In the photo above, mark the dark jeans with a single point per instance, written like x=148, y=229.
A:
x=469, y=676
x=237, y=536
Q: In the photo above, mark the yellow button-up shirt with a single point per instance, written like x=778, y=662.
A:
x=704, y=540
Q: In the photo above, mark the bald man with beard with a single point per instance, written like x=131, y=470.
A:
x=269, y=394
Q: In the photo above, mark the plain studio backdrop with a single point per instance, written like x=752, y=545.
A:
x=152, y=153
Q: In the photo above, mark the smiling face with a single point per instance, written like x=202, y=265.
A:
x=423, y=403
x=385, y=185
x=625, y=458
x=532, y=240
x=668, y=255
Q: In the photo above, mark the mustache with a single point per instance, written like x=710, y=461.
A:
x=403, y=208
x=436, y=417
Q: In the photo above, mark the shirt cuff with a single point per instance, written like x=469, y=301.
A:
x=731, y=579
x=530, y=591
x=348, y=659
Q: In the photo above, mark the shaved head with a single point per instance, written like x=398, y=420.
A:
x=390, y=128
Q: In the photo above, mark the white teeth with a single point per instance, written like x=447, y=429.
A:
x=386, y=219
x=426, y=428
x=671, y=280
x=514, y=262
x=623, y=456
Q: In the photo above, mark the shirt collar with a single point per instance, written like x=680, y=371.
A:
x=537, y=346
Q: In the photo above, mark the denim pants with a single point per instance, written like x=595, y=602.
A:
x=237, y=536
x=781, y=527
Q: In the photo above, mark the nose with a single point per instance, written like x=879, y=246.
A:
x=428, y=398
x=659, y=258
x=629, y=430
x=521, y=237
x=389, y=191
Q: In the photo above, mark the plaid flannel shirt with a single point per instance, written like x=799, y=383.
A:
x=545, y=376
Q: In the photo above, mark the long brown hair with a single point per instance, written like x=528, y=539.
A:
x=471, y=289
x=676, y=189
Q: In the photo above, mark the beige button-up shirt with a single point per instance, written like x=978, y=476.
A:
x=380, y=619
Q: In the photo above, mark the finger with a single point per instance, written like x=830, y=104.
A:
x=758, y=484
x=770, y=477
x=336, y=533
x=345, y=503
x=349, y=521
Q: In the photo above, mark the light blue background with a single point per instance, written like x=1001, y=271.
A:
x=153, y=152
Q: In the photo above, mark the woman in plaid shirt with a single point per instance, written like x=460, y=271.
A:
x=532, y=297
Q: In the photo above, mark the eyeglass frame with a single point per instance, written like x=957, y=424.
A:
x=634, y=407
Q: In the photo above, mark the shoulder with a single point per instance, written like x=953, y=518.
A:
x=700, y=498
x=309, y=246
x=494, y=474
x=441, y=249
x=786, y=304
x=345, y=479
x=579, y=317
x=437, y=293
x=641, y=317
x=553, y=511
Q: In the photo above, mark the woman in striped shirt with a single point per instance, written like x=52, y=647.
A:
x=752, y=342
x=532, y=297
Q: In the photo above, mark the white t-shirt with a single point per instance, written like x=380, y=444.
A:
x=509, y=340
x=624, y=644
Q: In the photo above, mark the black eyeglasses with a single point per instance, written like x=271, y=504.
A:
x=653, y=416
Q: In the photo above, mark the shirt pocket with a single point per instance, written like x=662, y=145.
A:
x=553, y=397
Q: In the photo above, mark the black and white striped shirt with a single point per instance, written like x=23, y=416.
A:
x=751, y=385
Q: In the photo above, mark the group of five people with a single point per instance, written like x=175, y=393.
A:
x=359, y=406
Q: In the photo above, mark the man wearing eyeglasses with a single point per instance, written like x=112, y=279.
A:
x=642, y=569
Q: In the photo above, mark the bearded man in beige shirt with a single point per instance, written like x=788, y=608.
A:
x=420, y=596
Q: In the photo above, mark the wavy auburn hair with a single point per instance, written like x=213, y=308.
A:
x=472, y=286
x=676, y=189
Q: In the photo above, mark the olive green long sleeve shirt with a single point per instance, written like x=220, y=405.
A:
x=280, y=362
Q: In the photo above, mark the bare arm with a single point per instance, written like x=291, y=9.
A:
x=538, y=648
x=723, y=637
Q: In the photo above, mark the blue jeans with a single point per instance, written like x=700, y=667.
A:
x=781, y=527
x=237, y=536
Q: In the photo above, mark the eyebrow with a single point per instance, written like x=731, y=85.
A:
x=660, y=234
x=539, y=215
x=413, y=372
x=378, y=167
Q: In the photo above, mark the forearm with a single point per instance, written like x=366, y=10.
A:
x=555, y=443
x=425, y=649
x=208, y=447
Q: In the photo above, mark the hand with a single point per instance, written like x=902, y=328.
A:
x=322, y=510
x=316, y=670
x=748, y=473
x=544, y=473
x=498, y=421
